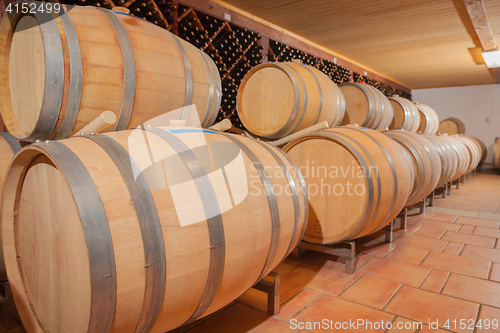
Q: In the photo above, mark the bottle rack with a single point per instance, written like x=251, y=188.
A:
x=235, y=50
x=280, y=52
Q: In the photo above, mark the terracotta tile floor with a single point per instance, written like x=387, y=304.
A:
x=444, y=267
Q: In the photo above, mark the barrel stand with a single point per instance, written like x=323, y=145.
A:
x=10, y=316
x=346, y=250
x=430, y=198
x=272, y=289
x=449, y=188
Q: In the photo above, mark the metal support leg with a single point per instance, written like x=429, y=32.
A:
x=430, y=197
x=403, y=218
x=345, y=250
x=388, y=232
x=449, y=188
x=445, y=190
x=10, y=315
x=272, y=289
x=422, y=206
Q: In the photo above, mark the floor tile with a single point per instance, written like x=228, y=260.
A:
x=487, y=315
x=427, y=329
x=461, y=212
x=472, y=289
x=495, y=274
x=426, y=215
x=371, y=291
x=374, y=244
x=455, y=264
x=327, y=307
x=444, y=217
x=487, y=232
x=412, y=220
x=475, y=208
x=258, y=299
x=239, y=318
x=435, y=280
x=469, y=239
x=421, y=243
x=408, y=254
x=495, y=217
x=467, y=229
x=422, y=305
x=297, y=303
x=396, y=271
x=478, y=222
x=322, y=277
x=482, y=253
x=361, y=259
x=287, y=265
x=453, y=248
x=403, y=325
x=439, y=225
x=429, y=232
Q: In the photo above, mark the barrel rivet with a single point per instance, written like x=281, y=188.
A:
x=92, y=133
x=106, y=276
x=37, y=141
x=47, y=142
x=82, y=133
x=139, y=127
x=147, y=265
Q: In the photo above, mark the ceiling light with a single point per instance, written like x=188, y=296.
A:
x=492, y=58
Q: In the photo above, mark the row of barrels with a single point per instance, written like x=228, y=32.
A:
x=278, y=99
x=360, y=179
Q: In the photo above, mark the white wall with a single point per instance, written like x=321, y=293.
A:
x=470, y=104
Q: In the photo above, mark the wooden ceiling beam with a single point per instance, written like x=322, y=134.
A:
x=479, y=18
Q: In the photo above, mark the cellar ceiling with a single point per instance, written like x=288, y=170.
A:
x=421, y=44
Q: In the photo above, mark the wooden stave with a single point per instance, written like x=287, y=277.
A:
x=463, y=154
x=449, y=159
x=319, y=89
x=9, y=146
x=484, y=150
x=460, y=126
x=372, y=104
x=412, y=117
x=474, y=150
x=429, y=166
x=432, y=119
x=31, y=322
x=387, y=110
x=369, y=223
x=75, y=97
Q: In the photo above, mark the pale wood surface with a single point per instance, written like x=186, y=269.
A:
x=406, y=115
x=496, y=153
x=479, y=17
x=159, y=88
x=247, y=225
x=266, y=99
x=449, y=159
x=426, y=160
x=27, y=73
x=328, y=165
x=451, y=126
x=405, y=55
x=105, y=119
x=357, y=105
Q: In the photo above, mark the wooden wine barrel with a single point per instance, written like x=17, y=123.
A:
x=473, y=149
x=277, y=99
x=358, y=180
x=406, y=115
x=108, y=239
x=429, y=120
x=52, y=87
x=449, y=159
x=496, y=154
x=366, y=106
x=8, y=148
x=426, y=160
x=464, y=158
x=484, y=151
x=451, y=126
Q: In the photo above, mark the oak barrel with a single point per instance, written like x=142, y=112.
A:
x=449, y=158
x=358, y=180
x=57, y=77
x=8, y=148
x=484, y=151
x=426, y=160
x=474, y=151
x=451, y=126
x=406, y=115
x=429, y=120
x=464, y=157
x=366, y=106
x=496, y=154
x=144, y=230
x=277, y=99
